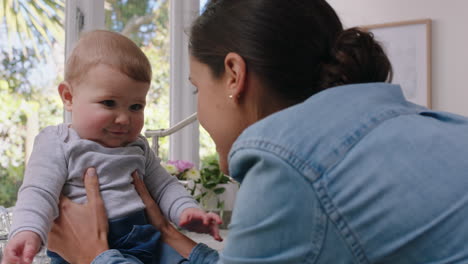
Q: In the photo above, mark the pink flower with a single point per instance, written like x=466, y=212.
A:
x=181, y=165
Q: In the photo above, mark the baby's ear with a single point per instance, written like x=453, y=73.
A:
x=65, y=92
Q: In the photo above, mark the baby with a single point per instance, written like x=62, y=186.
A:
x=106, y=82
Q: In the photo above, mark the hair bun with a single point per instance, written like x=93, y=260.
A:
x=356, y=58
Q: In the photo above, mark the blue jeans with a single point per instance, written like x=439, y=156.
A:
x=133, y=236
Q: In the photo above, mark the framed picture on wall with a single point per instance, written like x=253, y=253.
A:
x=408, y=45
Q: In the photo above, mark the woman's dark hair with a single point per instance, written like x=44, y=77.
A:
x=297, y=47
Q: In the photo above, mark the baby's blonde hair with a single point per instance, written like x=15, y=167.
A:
x=108, y=48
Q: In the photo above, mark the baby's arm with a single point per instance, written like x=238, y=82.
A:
x=22, y=248
x=38, y=196
x=174, y=200
x=197, y=220
x=170, y=195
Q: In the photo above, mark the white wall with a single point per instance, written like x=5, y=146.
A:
x=449, y=40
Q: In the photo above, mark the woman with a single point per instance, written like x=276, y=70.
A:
x=335, y=165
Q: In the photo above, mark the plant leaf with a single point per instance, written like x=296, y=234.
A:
x=219, y=190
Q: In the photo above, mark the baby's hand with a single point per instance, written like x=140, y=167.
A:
x=22, y=248
x=199, y=221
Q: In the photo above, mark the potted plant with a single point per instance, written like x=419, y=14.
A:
x=183, y=170
x=214, y=190
x=212, y=184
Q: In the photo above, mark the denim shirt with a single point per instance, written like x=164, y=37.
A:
x=355, y=174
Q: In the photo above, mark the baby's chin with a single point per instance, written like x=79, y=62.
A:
x=112, y=143
x=116, y=142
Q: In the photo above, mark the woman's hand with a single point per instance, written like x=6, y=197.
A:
x=79, y=234
x=170, y=235
x=156, y=218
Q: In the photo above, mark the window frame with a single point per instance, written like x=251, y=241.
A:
x=185, y=144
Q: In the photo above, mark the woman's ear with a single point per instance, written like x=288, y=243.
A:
x=235, y=70
x=66, y=94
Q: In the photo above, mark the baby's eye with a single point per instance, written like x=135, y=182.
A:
x=136, y=107
x=108, y=103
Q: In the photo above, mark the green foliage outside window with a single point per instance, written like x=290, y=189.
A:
x=31, y=30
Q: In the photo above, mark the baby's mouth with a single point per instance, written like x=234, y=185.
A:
x=118, y=132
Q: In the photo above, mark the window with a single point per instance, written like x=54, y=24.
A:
x=159, y=28
x=160, y=31
x=32, y=65
x=184, y=144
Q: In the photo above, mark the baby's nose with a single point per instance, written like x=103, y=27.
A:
x=122, y=119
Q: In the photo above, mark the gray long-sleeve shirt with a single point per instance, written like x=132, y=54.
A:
x=58, y=163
